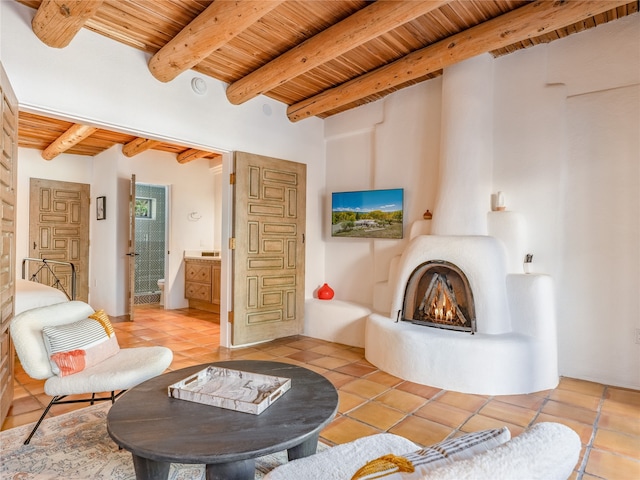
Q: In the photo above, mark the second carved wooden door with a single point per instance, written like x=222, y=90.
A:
x=269, y=254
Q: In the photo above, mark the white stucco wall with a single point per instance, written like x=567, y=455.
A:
x=107, y=280
x=566, y=156
x=600, y=278
x=392, y=143
x=466, y=149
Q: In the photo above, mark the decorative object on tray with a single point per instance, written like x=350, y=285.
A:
x=231, y=389
x=325, y=292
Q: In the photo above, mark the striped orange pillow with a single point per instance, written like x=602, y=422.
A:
x=76, y=346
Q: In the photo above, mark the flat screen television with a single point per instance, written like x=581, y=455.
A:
x=367, y=214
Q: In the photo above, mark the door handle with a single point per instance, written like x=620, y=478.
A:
x=34, y=245
x=132, y=254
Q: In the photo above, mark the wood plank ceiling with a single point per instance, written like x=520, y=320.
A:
x=320, y=57
x=51, y=136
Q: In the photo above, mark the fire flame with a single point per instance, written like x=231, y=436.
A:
x=446, y=311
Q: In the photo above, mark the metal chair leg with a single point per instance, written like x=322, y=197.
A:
x=58, y=400
x=46, y=410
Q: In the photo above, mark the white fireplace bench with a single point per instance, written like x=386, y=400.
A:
x=336, y=321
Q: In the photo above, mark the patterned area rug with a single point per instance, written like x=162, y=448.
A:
x=76, y=446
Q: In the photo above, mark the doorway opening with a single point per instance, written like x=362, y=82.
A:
x=151, y=220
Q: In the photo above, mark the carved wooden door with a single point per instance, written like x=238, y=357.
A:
x=269, y=254
x=8, y=163
x=59, y=229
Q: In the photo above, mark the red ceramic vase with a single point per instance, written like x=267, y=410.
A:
x=325, y=292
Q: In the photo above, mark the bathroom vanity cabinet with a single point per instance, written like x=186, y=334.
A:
x=202, y=283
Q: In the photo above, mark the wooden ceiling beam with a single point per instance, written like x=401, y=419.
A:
x=75, y=134
x=56, y=22
x=138, y=145
x=193, y=154
x=526, y=22
x=364, y=25
x=214, y=27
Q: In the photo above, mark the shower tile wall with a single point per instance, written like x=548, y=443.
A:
x=150, y=246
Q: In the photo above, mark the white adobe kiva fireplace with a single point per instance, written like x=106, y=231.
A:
x=463, y=315
x=513, y=348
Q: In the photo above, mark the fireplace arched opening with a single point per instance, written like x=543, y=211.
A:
x=438, y=294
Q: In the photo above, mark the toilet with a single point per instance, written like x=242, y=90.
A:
x=161, y=287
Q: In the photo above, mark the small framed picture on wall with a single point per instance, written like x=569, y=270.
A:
x=101, y=208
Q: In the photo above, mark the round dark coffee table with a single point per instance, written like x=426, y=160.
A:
x=159, y=430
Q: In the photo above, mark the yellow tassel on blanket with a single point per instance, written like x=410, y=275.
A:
x=383, y=466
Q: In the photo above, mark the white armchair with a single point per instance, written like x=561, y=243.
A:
x=546, y=451
x=125, y=368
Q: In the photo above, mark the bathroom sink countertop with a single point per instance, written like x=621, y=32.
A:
x=206, y=259
x=201, y=255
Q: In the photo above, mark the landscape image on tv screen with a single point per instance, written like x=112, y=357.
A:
x=367, y=214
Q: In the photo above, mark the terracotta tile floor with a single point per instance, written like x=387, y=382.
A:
x=606, y=418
